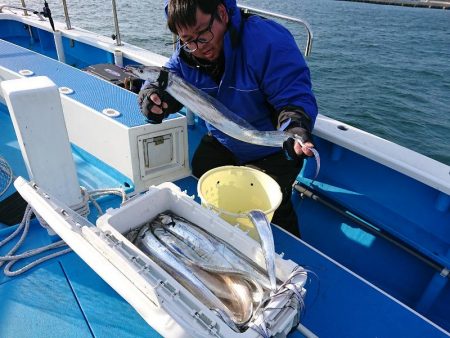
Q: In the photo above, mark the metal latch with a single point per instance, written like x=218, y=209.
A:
x=158, y=140
x=206, y=322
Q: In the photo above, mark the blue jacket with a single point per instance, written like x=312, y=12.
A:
x=264, y=73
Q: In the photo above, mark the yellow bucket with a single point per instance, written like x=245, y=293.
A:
x=234, y=191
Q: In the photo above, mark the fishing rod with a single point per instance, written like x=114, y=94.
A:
x=376, y=231
x=47, y=13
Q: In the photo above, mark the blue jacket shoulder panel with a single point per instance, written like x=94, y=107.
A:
x=278, y=65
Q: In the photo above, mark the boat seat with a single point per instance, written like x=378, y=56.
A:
x=87, y=88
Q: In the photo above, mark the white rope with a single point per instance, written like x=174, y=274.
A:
x=82, y=208
x=104, y=192
x=6, y=175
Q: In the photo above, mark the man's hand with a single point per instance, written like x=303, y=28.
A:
x=150, y=104
x=306, y=138
x=306, y=149
x=156, y=104
x=294, y=150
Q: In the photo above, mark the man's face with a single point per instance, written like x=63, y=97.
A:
x=205, y=25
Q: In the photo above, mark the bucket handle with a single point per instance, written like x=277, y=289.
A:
x=224, y=212
x=232, y=214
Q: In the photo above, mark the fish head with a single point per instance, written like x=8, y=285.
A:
x=167, y=220
x=150, y=73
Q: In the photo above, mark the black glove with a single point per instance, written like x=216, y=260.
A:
x=146, y=104
x=288, y=145
x=133, y=84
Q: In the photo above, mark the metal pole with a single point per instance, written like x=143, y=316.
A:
x=66, y=15
x=309, y=32
x=25, y=12
x=116, y=24
x=174, y=40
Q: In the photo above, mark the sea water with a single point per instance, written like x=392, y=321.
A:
x=384, y=69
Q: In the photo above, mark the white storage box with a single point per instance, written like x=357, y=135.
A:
x=165, y=304
x=146, y=153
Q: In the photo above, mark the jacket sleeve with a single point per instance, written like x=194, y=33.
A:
x=282, y=72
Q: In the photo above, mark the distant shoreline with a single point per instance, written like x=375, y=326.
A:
x=408, y=3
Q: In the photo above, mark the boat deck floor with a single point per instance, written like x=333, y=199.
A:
x=64, y=297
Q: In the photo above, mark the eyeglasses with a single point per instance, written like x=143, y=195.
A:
x=204, y=36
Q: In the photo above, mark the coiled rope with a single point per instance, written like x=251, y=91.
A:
x=6, y=176
x=82, y=208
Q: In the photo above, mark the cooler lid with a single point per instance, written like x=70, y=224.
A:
x=140, y=281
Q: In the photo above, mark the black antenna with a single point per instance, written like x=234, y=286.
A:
x=46, y=12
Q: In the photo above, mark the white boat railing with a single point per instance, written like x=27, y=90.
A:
x=117, y=38
x=24, y=9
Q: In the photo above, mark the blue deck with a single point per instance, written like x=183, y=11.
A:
x=89, y=90
x=66, y=298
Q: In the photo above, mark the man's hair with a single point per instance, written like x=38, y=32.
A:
x=183, y=13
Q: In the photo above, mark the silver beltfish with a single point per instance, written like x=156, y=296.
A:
x=234, y=290
x=214, y=252
x=151, y=246
x=214, y=112
x=262, y=225
x=184, y=251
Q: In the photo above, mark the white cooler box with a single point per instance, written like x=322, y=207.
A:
x=164, y=303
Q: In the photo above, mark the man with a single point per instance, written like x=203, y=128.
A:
x=254, y=67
